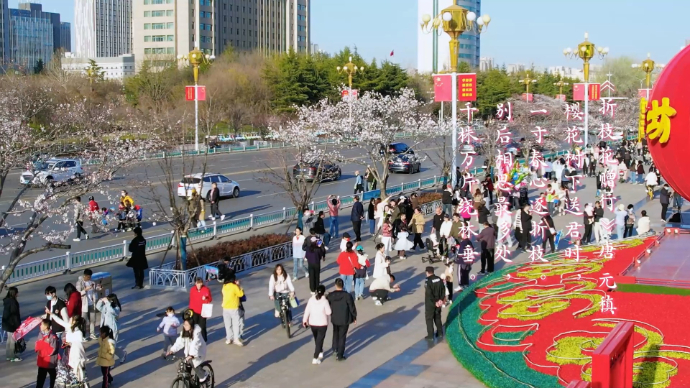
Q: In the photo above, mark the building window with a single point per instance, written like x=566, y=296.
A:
x=147, y=14
x=147, y=26
x=147, y=38
x=158, y=38
x=171, y=25
x=169, y=12
x=157, y=14
x=147, y=2
x=157, y=26
x=171, y=38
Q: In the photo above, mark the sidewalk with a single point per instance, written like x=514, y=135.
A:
x=385, y=347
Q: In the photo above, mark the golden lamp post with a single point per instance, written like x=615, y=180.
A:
x=454, y=20
x=648, y=66
x=350, y=69
x=560, y=85
x=196, y=58
x=586, y=51
x=527, y=82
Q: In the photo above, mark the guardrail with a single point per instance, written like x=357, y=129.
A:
x=212, y=230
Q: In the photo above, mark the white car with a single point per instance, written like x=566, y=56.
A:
x=54, y=170
x=226, y=186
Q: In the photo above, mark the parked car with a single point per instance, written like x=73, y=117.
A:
x=396, y=149
x=226, y=186
x=405, y=163
x=52, y=171
x=329, y=171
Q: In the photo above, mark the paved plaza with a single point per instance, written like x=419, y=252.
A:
x=385, y=348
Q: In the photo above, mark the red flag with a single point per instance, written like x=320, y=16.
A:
x=443, y=88
x=579, y=92
x=392, y=52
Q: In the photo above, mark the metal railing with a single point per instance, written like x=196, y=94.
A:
x=167, y=277
x=213, y=230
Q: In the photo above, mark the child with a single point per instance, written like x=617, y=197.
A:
x=361, y=272
x=106, y=355
x=140, y=214
x=104, y=221
x=121, y=217
x=202, y=218
x=448, y=277
x=402, y=244
x=344, y=241
x=169, y=325
x=46, y=354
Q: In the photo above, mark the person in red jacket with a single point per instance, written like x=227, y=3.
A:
x=199, y=296
x=348, y=262
x=73, y=300
x=46, y=354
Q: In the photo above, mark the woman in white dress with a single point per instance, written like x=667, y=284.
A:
x=74, y=338
x=380, y=263
x=402, y=244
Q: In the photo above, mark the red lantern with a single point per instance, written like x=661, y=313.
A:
x=672, y=157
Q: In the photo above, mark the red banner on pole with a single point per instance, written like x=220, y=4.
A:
x=579, y=92
x=644, y=93
x=560, y=97
x=467, y=87
x=529, y=97
x=189, y=92
x=443, y=88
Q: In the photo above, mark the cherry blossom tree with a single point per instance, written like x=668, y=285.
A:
x=372, y=122
x=50, y=214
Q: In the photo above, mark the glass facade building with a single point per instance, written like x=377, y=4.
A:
x=31, y=39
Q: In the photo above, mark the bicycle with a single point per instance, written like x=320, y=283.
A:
x=285, y=311
x=186, y=379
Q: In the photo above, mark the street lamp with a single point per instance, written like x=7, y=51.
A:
x=648, y=66
x=196, y=58
x=560, y=85
x=527, y=82
x=586, y=51
x=350, y=69
x=454, y=20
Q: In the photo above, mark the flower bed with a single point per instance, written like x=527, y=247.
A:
x=215, y=253
x=429, y=197
x=536, y=325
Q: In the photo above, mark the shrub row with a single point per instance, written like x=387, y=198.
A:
x=213, y=254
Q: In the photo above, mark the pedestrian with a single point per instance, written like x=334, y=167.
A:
x=232, y=292
x=664, y=200
x=106, y=355
x=382, y=210
x=356, y=216
x=371, y=179
x=11, y=320
x=361, y=272
x=75, y=334
x=343, y=314
x=629, y=222
x=138, y=261
x=214, y=197
x=316, y=253
x=280, y=286
x=387, y=235
x=371, y=216
x=488, y=185
x=202, y=217
x=463, y=262
x=320, y=229
x=503, y=222
x=588, y=220
x=343, y=243
x=347, y=262
x=381, y=288
x=58, y=307
x=621, y=215
x=447, y=199
x=110, y=309
x=307, y=220
x=434, y=299
x=199, y=295
x=359, y=183
x=550, y=199
x=380, y=263
x=126, y=199
x=526, y=227
x=483, y=214
x=47, y=347
x=439, y=217
x=402, y=244
x=169, y=326
x=316, y=316
x=73, y=300
x=333, y=203
x=79, y=219
x=448, y=278
x=487, y=239
x=651, y=179
x=87, y=290
x=549, y=233
x=417, y=227
x=194, y=346
x=93, y=214
x=643, y=224
x=194, y=207
x=677, y=201
x=298, y=254
x=598, y=215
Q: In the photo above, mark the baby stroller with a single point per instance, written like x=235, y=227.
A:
x=131, y=219
x=66, y=378
x=436, y=249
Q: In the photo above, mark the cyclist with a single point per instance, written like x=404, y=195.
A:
x=194, y=346
x=651, y=180
x=280, y=286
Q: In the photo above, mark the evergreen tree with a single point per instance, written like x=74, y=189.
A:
x=38, y=69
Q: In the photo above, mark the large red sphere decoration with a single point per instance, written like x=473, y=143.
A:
x=673, y=157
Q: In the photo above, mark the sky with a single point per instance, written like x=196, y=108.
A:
x=524, y=31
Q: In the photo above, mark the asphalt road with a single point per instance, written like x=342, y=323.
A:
x=257, y=196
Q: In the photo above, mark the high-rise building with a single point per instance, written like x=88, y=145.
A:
x=486, y=63
x=433, y=54
x=31, y=39
x=103, y=28
x=66, y=37
x=4, y=33
x=54, y=18
x=164, y=29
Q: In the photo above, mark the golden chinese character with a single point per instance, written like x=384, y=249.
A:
x=659, y=120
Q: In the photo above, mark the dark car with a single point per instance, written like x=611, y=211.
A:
x=329, y=171
x=397, y=149
x=404, y=163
